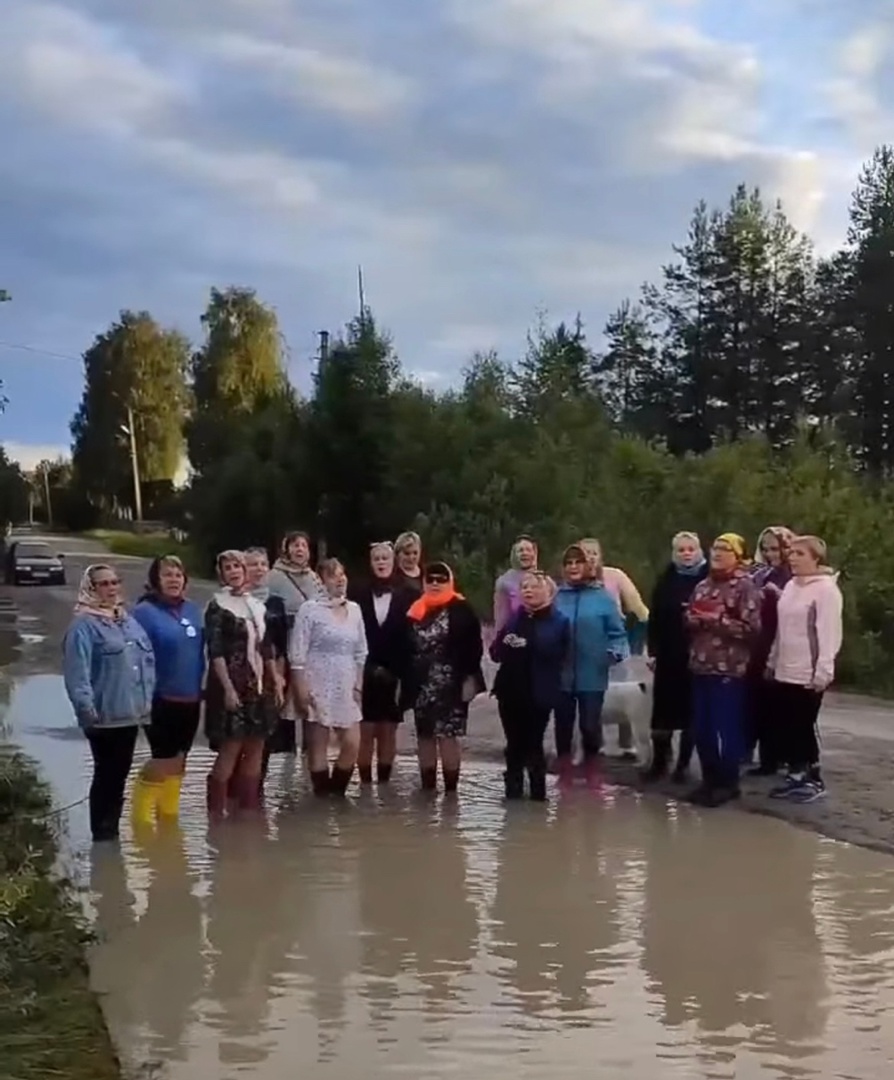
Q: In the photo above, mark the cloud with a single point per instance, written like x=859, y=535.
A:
x=482, y=159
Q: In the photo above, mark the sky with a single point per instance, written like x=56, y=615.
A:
x=483, y=160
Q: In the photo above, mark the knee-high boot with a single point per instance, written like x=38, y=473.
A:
x=661, y=752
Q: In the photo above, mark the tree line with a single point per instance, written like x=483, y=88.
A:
x=750, y=383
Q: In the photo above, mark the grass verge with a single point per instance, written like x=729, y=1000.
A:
x=51, y=1024
x=145, y=545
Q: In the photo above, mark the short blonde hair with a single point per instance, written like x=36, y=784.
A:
x=814, y=544
x=407, y=539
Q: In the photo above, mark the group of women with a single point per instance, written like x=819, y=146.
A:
x=741, y=654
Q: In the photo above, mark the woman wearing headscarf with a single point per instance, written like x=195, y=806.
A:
x=408, y=561
x=109, y=672
x=620, y=586
x=327, y=653
x=531, y=649
x=383, y=604
x=174, y=625
x=243, y=696
x=724, y=620
x=771, y=573
x=507, y=592
x=668, y=645
x=598, y=640
x=802, y=663
x=292, y=578
x=443, y=673
x=283, y=739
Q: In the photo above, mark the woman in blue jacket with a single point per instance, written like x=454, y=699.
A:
x=598, y=640
x=530, y=648
x=109, y=671
x=174, y=625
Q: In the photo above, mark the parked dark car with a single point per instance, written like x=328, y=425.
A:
x=30, y=562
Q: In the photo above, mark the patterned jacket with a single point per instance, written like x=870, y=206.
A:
x=724, y=619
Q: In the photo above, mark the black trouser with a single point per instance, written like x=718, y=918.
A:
x=764, y=723
x=795, y=710
x=112, y=750
x=524, y=726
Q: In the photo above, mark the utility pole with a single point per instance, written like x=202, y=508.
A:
x=130, y=431
x=361, y=295
x=46, y=489
x=324, y=345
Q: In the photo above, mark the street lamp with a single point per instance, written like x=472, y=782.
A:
x=129, y=431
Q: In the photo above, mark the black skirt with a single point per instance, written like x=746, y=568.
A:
x=379, y=700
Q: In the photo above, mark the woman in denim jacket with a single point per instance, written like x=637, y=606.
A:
x=109, y=670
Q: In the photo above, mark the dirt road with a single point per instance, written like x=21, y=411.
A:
x=858, y=733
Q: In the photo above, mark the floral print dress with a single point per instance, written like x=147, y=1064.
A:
x=331, y=650
x=439, y=709
x=236, y=632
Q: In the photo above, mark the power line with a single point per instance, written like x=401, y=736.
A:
x=36, y=351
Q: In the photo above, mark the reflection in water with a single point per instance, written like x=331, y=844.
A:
x=161, y=937
x=399, y=936
x=730, y=939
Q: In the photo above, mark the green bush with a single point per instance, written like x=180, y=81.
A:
x=147, y=546
x=51, y=1024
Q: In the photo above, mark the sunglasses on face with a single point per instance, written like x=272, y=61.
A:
x=437, y=579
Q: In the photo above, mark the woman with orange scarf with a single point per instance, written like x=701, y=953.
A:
x=443, y=673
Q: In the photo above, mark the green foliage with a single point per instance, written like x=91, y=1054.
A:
x=51, y=1024
x=751, y=383
x=135, y=365
x=239, y=367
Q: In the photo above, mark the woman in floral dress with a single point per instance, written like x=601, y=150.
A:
x=244, y=693
x=327, y=653
x=443, y=673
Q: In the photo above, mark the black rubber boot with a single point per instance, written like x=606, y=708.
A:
x=514, y=780
x=429, y=778
x=383, y=771
x=320, y=782
x=660, y=764
x=366, y=774
x=537, y=782
x=451, y=781
x=681, y=769
x=338, y=785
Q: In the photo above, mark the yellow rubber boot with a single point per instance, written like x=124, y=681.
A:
x=169, y=799
x=144, y=801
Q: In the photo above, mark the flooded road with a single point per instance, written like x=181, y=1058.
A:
x=396, y=936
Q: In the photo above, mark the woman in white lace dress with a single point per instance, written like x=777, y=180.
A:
x=327, y=652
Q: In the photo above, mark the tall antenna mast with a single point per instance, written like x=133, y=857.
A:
x=324, y=345
x=360, y=294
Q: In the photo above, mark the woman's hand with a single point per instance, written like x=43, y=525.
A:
x=358, y=694
x=469, y=689
x=279, y=690
x=650, y=663
x=231, y=700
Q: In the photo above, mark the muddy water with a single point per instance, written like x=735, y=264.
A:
x=399, y=937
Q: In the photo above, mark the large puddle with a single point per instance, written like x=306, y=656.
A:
x=397, y=937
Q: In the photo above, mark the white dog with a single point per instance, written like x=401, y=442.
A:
x=629, y=697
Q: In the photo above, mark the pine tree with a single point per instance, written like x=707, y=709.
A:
x=869, y=308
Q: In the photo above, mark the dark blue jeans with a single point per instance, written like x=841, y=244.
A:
x=718, y=727
x=586, y=708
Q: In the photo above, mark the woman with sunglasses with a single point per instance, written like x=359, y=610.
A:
x=109, y=671
x=443, y=673
x=384, y=603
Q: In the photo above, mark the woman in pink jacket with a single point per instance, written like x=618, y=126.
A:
x=802, y=664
